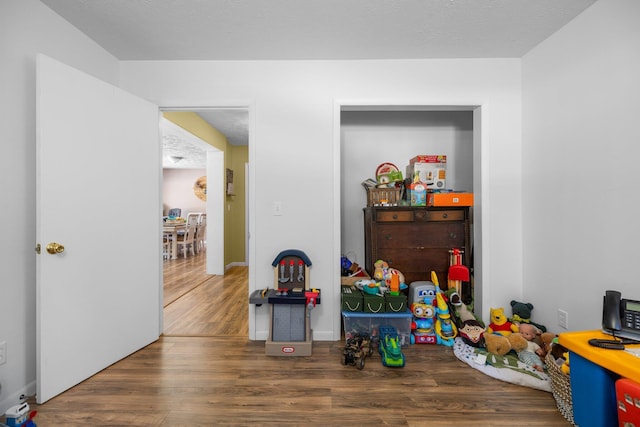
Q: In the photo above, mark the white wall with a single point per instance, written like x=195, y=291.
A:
x=27, y=27
x=293, y=156
x=581, y=137
x=177, y=190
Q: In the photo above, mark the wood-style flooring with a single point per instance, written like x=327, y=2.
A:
x=205, y=372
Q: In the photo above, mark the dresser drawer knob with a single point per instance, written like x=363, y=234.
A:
x=395, y=216
x=445, y=215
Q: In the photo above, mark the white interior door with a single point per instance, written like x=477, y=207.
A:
x=98, y=195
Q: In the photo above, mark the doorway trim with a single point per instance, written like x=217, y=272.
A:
x=480, y=178
x=249, y=184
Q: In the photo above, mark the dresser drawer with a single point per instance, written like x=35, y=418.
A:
x=419, y=235
x=448, y=215
x=392, y=216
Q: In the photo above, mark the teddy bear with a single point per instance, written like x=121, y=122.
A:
x=546, y=340
x=522, y=314
x=499, y=322
x=503, y=344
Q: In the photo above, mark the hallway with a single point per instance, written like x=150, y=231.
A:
x=198, y=304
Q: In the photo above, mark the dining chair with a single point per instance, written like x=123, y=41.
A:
x=201, y=233
x=187, y=241
x=166, y=246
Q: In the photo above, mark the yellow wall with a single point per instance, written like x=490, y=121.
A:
x=234, y=158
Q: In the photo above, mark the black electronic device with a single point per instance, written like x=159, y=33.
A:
x=621, y=319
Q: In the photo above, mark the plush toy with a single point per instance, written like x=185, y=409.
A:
x=382, y=271
x=503, y=344
x=522, y=314
x=379, y=268
x=532, y=354
x=461, y=311
x=499, y=322
x=545, y=340
x=472, y=333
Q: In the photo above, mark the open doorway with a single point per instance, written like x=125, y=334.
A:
x=195, y=292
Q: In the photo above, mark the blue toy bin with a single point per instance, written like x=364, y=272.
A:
x=369, y=323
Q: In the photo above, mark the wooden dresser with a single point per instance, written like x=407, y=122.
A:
x=417, y=240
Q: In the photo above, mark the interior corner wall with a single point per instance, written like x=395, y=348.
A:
x=580, y=172
x=293, y=160
x=28, y=28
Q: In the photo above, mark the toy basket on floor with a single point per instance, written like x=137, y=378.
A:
x=561, y=388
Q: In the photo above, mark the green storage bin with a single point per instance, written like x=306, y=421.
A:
x=373, y=303
x=395, y=303
x=352, y=299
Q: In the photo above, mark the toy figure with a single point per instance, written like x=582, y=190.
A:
x=533, y=353
x=422, y=323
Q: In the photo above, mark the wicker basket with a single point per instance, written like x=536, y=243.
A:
x=561, y=388
x=383, y=196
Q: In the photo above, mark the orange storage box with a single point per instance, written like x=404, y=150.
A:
x=452, y=198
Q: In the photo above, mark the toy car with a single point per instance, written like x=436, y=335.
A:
x=356, y=350
x=389, y=347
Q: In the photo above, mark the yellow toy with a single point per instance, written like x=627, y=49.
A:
x=445, y=329
x=499, y=322
x=501, y=344
x=565, y=366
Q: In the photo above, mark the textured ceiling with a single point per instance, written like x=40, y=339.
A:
x=313, y=30
x=181, y=149
x=317, y=29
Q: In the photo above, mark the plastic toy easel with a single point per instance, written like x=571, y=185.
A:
x=291, y=301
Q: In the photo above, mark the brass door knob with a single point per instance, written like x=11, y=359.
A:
x=55, y=248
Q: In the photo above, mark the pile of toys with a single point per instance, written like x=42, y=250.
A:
x=432, y=321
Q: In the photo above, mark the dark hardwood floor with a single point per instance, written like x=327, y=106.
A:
x=204, y=371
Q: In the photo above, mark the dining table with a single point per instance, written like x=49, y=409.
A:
x=171, y=228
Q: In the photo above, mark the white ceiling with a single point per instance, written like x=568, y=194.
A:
x=313, y=30
x=317, y=29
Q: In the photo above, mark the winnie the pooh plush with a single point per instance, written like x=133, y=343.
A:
x=499, y=322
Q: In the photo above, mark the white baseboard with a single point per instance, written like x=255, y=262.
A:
x=27, y=391
x=235, y=264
